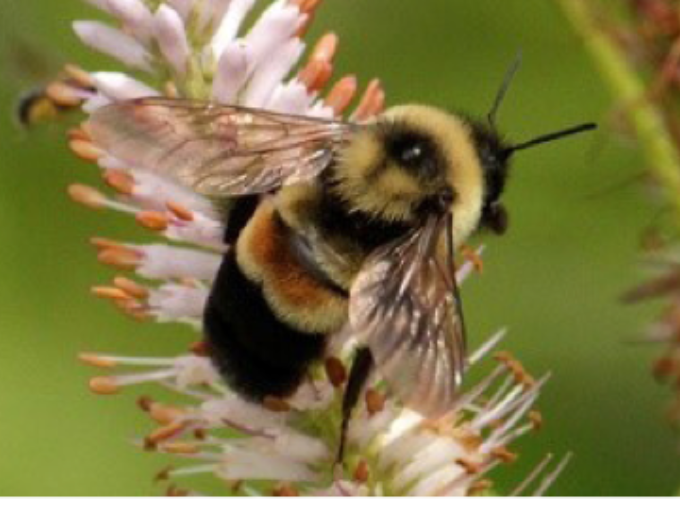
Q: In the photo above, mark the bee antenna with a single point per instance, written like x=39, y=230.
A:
x=503, y=91
x=543, y=139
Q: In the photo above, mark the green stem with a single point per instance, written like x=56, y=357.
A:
x=630, y=88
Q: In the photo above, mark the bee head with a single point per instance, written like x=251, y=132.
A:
x=412, y=162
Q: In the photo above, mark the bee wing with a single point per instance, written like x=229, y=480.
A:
x=404, y=306
x=217, y=149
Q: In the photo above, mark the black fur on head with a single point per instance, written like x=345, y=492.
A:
x=494, y=156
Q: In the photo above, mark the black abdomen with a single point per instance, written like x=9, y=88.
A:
x=255, y=352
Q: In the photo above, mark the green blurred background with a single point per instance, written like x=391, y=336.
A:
x=554, y=280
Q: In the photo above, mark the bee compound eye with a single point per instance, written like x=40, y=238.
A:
x=410, y=150
x=412, y=154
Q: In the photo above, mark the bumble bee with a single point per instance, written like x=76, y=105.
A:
x=64, y=94
x=331, y=224
x=35, y=107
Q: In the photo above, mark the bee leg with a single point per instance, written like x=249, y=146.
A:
x=358, y=376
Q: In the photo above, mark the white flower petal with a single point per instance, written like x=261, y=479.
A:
x=243, y=464
x=320, y=110
x=114, y=43
x=291, y=98
x=161, y=261
x=402, y=450
x=364, y=430
x=202, y=231
x=135, y=17
x=232, y=409
x=118, y=86
x=96, y=102
x=402, y=426
x=428, y=458
x=172, y=39
x=434, y=483
x=232, y=72
x=172, y=302
x=276, y=27
x=271, y=72
x=212, y=13
x=154, y=192
x=230, y=25
x=193, y=371
x=303, y=449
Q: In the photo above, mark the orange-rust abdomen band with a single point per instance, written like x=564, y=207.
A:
x=295, y=296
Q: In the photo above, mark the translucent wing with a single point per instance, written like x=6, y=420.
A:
x=404, y=307
x=217, y=149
